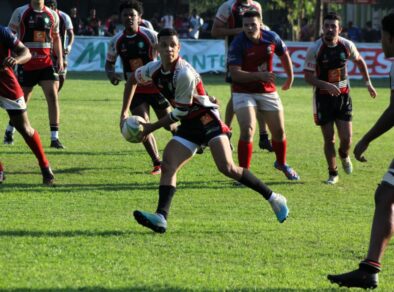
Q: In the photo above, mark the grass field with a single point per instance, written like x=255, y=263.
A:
x=81, y=235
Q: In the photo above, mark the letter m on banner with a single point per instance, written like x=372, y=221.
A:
x=89, y=54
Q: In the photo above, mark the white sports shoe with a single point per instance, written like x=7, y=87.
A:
x=347, y=165
x=279, y=206
x=332, y=180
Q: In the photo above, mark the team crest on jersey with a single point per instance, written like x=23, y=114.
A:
x=342, y=56
x=141, y=45
x=31, y=20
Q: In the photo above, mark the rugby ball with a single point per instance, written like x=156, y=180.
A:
x=132, y=129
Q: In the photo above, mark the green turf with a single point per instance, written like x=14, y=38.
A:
x=81, y=234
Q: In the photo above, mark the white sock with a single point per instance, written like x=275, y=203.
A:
x=273, y=197
x=10, y=128
x=54, y=135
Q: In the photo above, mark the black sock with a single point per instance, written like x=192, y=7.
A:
x=165, y=197
x=370, y=266
x=264, y=135
x=333, y=172
x=249, y=180
x=54, y=128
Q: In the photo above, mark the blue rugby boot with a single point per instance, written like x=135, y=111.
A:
x=279, y=206
x=287, y=170
x=153, y=221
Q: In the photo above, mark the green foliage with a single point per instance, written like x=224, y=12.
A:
x=80, y=235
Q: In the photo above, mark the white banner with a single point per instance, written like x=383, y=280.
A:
x=89, y=54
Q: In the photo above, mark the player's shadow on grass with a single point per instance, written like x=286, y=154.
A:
x=74, y=153
x=66, y=233
x=164, y=289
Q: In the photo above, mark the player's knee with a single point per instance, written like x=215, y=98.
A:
x=246, y=133
x=228, y=169
x=167, y=167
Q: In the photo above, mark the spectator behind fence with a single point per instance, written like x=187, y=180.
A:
x=195, y=24
x=111, y=25
x=77, y=21
x=370, y=35
x=93, y=23
x=353, y=32
x=306, y=33
x=167, y=21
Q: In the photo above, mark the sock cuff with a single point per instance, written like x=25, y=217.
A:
x=370, y=266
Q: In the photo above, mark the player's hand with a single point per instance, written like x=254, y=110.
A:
x=288, y=83
x=267, y=77
x=332, y=89
x=360, y=148
x=60, y=66
x=123, y=118
x=115, y=79
x=372, y=91
x=9, y=61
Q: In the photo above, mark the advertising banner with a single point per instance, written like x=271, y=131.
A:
x=89, y=54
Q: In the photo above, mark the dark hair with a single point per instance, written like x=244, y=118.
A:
x=167, y=32
x=251, y=13
x=388, y=24
x=333, y=16
x=131, y=4
x=51, y=2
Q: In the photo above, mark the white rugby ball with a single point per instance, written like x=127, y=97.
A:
x=132, y=129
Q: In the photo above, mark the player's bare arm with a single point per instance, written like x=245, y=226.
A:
x=71, y=37
x=128, y=95
x=384, y=123
x=220, y=29
x=288, y=67
x=21, y=56
x=364, y=72
x=313, y=80
x=241, y=76
x=57, y=47
x=111, y=74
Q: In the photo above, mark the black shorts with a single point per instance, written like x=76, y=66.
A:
x=32, y=78
x=202, y=129
x=329, y=108
x=155, y=100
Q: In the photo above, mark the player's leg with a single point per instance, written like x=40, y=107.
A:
x=245, y=108
x=10, y=130
x=246, y=117
x=229, y=113
x=50, y=86
x=264, y=142
x=176, y=154
x=141, y=108
x=329, y=151
x=345, y=138
x=366, y=276
x=20, y=120
x=276, y=124
x=222, y=155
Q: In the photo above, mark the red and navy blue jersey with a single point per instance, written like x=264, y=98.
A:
x=253, y=57
x=9, y=86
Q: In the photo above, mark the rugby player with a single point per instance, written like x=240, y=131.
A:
x=200, y=124
x=366, y=276
x=37, y=26
x=12, y=100
x=136, y=46
x=253, y=87
x=325, y=69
